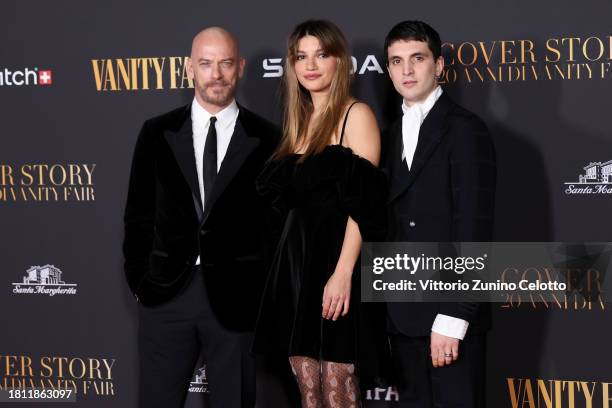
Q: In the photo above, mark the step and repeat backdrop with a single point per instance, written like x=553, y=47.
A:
x=77, y=80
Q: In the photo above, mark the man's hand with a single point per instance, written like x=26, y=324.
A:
x=444, y=349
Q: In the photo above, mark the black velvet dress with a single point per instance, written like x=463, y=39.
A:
x=312, y=201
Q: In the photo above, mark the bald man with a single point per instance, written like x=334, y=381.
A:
x=196, y=234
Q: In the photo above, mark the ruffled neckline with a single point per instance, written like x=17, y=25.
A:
x=328, y=147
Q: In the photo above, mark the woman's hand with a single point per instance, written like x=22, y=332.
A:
x=337, y=294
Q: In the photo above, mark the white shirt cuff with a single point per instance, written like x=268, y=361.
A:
x=450, y=326
x=197, y=261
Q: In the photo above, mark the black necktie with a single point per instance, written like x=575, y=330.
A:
x=210, y=160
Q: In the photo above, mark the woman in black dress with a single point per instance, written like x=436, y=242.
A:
x=324, y=188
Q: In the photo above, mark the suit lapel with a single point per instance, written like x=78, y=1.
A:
x=241, y=146
x=399, y=170
x=431, y=132
x=181, y=144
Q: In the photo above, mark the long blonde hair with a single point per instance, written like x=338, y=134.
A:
x=298, y=106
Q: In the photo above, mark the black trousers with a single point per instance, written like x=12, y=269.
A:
x=420, y=385
x=172, y=336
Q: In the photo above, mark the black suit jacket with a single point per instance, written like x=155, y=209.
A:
x=166, y=227
x=447, y=196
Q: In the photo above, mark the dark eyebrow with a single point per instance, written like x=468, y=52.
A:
x=317, y=50
x=416, y=54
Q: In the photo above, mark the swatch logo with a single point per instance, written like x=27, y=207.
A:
x=26, y=77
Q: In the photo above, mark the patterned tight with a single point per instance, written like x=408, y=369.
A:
x=325, y=384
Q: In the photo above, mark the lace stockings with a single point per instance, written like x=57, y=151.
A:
x=325, y=384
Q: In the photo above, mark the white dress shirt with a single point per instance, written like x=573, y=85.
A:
x=200, y=119
x=411, y=125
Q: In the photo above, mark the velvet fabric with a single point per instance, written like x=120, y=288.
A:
x=312, y=201
x=166, y=227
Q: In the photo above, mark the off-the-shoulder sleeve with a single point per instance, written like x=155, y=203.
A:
x=363, y=191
